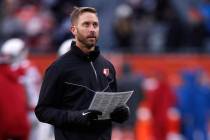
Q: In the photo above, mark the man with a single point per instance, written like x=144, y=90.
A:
x=71, y=81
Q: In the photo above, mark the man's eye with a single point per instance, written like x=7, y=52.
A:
x=86, y=24
x=95, y=25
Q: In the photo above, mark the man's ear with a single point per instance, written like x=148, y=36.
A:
x=73, y=30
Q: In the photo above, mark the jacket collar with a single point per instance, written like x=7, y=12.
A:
x=88, y=57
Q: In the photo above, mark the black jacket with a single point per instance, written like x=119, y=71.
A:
x=68, y=87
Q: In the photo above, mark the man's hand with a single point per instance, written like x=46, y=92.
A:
x=120, y=114
x=91, y=115
x=84, y=117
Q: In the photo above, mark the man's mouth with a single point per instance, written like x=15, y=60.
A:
x=91, y=37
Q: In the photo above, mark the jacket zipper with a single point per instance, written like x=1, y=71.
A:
x=94, y=70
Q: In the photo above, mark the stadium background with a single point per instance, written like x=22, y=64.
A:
x=154, y=37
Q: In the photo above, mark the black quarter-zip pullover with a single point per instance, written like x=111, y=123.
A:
x=68, y=87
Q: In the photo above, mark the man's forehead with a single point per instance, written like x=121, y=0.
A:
x=88, y=16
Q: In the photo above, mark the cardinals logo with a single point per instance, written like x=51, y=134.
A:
x=106, y=72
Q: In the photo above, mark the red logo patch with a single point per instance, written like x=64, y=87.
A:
x=106, y=72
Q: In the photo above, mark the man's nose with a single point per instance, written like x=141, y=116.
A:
x=92, y=28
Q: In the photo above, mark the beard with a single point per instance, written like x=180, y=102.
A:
x=89, y=41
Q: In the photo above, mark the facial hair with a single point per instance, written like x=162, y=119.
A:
x=86, y=40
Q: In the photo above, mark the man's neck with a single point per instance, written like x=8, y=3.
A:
x=84, y=49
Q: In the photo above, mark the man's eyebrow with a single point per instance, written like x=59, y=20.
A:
x=95, y=22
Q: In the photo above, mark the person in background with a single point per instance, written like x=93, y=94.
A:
x=123, y=29
x=30, y=78
x=158, y=117
x=71, y=82
x=13, y=105
x=193, y=105
x=65, y=47
x=129, y=81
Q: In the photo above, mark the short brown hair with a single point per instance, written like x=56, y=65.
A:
x=77, y=11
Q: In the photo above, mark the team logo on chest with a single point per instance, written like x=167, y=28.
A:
x=106, y=72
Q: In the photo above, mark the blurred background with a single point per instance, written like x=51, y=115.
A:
x=160, y=49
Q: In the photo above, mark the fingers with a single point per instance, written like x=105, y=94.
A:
x=96, y=112
x=121, y=108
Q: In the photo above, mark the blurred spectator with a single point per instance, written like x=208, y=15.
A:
x=13, y=105
x=190, y=27
x=123, y=28
x=144, y=26
x=205, y=82
x=173, y=32
x=38, y=27
x=10, y=26
x=160, y=103
x=65, y=47
x=142, y=7
x=193, y=105
x=129, y=81
x=204, y=9
x=32, y=22
x=62, y=11
x=30, y=77
x=149, y=32
x=61, y=8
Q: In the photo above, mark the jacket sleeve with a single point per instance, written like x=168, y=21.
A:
x=48, y=109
